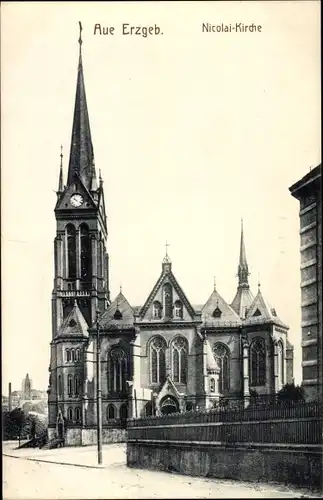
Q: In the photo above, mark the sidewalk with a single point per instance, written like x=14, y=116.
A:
x=113, y=454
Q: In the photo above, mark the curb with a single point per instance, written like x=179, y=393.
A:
x=53, y=462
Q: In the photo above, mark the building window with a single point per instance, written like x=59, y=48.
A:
x=217, y=313
x=280, y=362
x=179, y=360
x=111, y=412
x=157, y=360
x=70, y=414
x=148, y=409
x=168, y=300
x=157, y=309
x=78, y=355
x=60, y=385
x=70, y=385
x=117, y=314
x=212, y=385
x=71, y=251
x=189, y=406
x=77, y=414
x=178, y=309
x=258, y=362
x=73, y=355
x=257, y=313
x=222, y=357
x=76, y=385
x=118, y=370
x=86, y=251
x=68, y=355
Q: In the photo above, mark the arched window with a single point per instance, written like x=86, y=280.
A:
x=280, y=362
x=70, y=385
x=179, y=360
x=68, y=355
x=111, y=412
x=76, y=385
x=258, y=362
x=71, y=251
x=78, y=355
x=60, y=385
x=189, y=406
x=118, y=370
x=168, y=301
x=73, y=355
x=212, y=385
x=85, y=245
x=70, y=414
x=123, y=414
x=178, y=309
x=222, y=357
x=157, y=309
x=77, y=414
x=157, y=360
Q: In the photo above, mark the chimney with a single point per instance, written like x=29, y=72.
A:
x=10, y=402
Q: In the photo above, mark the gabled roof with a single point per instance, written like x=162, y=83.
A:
x=261, y=311
x=228, y=316
x=242, y=301
x=74, y=324
x=167, y=275
x=119, y=314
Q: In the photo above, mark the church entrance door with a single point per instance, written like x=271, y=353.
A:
x=168, y=405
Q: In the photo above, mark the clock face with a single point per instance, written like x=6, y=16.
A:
x=76, y=200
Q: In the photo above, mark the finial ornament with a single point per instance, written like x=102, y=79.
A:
x=166, y=246
x=61, y=155
x=214, y=283
x=120, y=288
x=80, y=37
x=258, y=282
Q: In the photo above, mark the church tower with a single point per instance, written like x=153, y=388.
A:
x=81, y=279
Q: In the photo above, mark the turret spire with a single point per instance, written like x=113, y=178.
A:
x=60, y=179
x=81, y=162
x=243, y=271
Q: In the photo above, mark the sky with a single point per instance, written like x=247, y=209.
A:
x=191, y=132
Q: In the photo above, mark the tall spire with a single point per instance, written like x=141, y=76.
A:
x=243, y=271
x=81, y=155
x=60, y=179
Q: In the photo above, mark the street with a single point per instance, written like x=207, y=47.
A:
x=28, y=474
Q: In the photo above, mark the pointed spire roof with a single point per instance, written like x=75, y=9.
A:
x=243, y=271
x=261, y=311
x=74, y=324
x=211, y=364
x=81, y=161
x=60, y=180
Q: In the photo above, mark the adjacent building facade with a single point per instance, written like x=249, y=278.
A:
x=309, y=193
x=165, y=356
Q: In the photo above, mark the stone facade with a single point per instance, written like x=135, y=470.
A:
x=165, y=356
x=309, y=193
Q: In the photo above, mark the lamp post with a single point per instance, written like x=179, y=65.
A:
x=98, y=390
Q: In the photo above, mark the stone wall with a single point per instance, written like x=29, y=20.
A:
x=299, y=465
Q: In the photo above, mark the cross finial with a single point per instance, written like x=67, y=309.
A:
x=61, y=155
x=120, y=288
x=166, y=246
x=258, y=281
x=80, y=37
x=214, y=283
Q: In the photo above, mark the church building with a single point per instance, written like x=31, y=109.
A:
x=165, y=356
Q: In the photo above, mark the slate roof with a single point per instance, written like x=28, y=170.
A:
x=74, y=324
x=267, y=313
x=111, y=320
x=242, y=301
x=228, y=315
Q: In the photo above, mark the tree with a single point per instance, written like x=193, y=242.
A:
x=15, y=422
x=290, y=393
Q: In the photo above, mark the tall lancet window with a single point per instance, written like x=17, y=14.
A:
x=168, y=300
x=85, y=245
x=118, y=370
x=157, y=360
x=258, y=362
x=71, y=251
x=280, y=362
x=222, y=357
x=179, y=360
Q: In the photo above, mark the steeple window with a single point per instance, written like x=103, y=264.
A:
x=85, y=246
x=71, y=251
